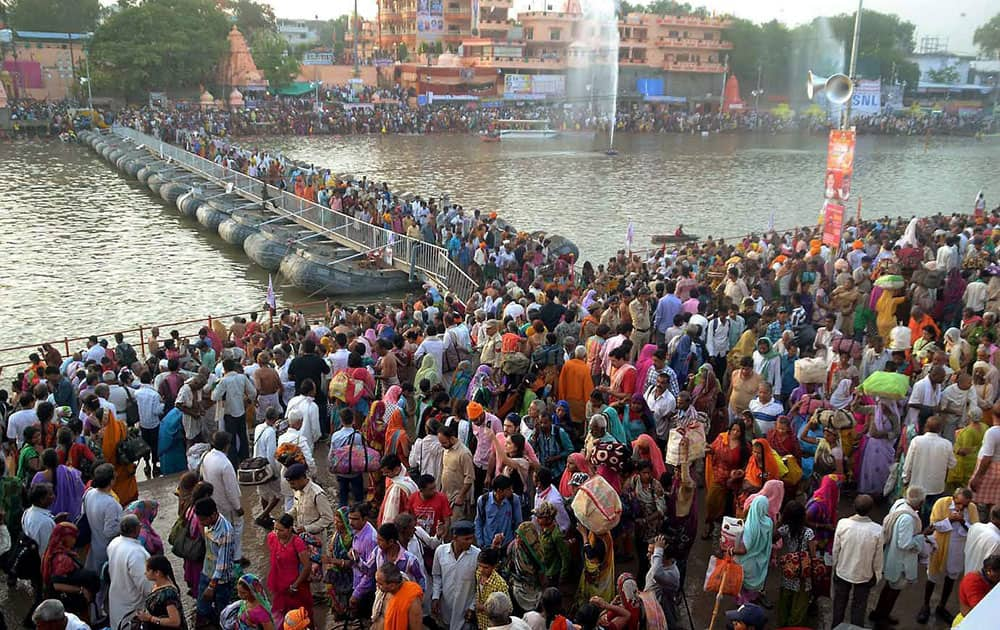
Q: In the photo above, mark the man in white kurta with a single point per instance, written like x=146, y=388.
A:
x=127, y=568
x=454, y=575
x=982, y=542
x=217, y=469
x=305, y=405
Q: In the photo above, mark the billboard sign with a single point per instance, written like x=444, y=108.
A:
x=317, y=59
x=833, y=224
x=430, y=19
x=867, y=98
x=534, y=86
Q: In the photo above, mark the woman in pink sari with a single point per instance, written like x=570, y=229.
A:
x=646, y=449
x=577, y=463
x=642, y=367
x=774, y=492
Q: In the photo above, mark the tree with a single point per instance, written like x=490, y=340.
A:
x=987, y=37
x=158, y=44
x=274, y=59
x=947, y=74
x=886, y=42
x=59, y=16
x=402, y=52
x=253, y=18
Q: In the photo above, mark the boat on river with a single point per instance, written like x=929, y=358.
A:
x=516, y=129
x=666, y=239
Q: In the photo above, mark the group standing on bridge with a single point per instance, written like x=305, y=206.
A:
x=452, y=461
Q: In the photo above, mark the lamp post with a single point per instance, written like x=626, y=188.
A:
x=846, y=118
x=357, y=67
x=86, y=63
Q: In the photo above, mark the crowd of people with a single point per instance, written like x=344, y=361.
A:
x=337, y=111
x=498, y=460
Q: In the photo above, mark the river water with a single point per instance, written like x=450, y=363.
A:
x=83, y=250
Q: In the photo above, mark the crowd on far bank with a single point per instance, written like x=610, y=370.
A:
x=543, y=453
x=388, y=111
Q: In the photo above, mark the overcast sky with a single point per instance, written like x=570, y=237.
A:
x=955, y=20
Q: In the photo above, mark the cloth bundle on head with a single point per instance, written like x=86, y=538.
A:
x=474, y=410
x=297, y=619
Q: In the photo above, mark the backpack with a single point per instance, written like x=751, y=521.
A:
x=131, y=407
x=132, y=449
x=126, y=355
x=346, y=389
x=514, y=363
x=453, y=355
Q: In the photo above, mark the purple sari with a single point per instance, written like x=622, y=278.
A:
x=68, y=488
x=877, y=454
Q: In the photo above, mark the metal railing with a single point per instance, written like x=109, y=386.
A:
x=414, y=256
x=137, y=335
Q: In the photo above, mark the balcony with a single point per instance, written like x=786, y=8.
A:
x=698, y=44
x=495, y=4
x=633, y=62
x=458, y=13
x=694, y=66
x=519, y=63
x=694, y=21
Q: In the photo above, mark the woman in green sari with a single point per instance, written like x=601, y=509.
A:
x=968, y=439
x=29, y=461
x=598, y=577
x=338, y=576
x=527, y=573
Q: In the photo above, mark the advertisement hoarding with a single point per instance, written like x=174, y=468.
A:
x=430, y=19
x=534, y=86
x=833, y=224
x=839, y=165
x=867, y=98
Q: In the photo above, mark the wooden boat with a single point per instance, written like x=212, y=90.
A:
x=660, y=239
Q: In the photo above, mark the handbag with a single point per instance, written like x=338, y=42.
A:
x=352, y=459
x=796, y=565
x=26, y=564
x=131, y=408
x=84, y=533
x=254, y=472
x=182, y=545
x=132, y=449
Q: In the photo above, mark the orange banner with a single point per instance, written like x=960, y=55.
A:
x=839, y=165
x=833, y=224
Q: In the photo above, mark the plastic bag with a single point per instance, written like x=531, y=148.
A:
x=889, y=385
x=732, y=530
x=723, y=575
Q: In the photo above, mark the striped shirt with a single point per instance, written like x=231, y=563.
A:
x=220, y=551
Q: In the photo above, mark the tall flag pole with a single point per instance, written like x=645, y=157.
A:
x=629, y=237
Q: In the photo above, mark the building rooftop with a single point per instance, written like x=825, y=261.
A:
x=53, y=36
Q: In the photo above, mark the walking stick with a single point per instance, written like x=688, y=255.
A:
x=718, y=597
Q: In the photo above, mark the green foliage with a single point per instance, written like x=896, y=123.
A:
x=886, y=40
x=59, y=16
x=987, y=37
x=158, y=44
x=402, y=52
x=947, y=74
x=274, y=59
x=253, y=18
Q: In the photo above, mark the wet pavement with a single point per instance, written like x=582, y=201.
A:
x=16, y=602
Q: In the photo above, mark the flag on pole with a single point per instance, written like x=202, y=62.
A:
x=629, y=236
x=770, y=222
x=271, y=302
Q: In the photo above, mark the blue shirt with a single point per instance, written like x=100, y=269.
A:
x=493, y=518
x=774, y=330
x=220, y=551
x=555, y=444
x=666, y=309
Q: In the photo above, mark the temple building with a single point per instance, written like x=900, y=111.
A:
x=237, y=73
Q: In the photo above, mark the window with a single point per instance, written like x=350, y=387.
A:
x=708, y=36
x=529, y=33
x=674, y=34
x=554, y=34
x=682, y=58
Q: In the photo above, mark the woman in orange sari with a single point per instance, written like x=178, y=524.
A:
x=114, y=433
x=724, y=464
x=764, y=465
x=396, y=439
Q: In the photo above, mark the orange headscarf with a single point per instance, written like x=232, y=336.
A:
x=771, y=466
x=655, y=454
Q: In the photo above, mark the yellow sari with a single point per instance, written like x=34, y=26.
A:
x=969, y=438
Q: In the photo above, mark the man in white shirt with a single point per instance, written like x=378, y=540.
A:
x=717, y=338
x=983, y=541
x=265, y=443
x=217, y=470
x=928, y=460
x=765, y=409
x=232, y=391
x=427, y=452
x=857, y=561
x=304, y=406
x=453, y=597
x=18, y=421
x=661, y=403
x=975, y=296
x=127, y=568
x=926, y=395
x=433, y=344
x=547, y=494
x=51, y=613
x=150, y=407
x=37, y=521
x=293, y=435
x=95, y=351
x=103, y=513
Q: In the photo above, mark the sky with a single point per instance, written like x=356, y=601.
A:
x=954, y=21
